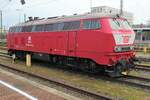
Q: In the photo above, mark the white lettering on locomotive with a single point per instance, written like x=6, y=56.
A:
x=29, y=41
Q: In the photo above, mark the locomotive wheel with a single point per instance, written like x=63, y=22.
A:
x=60, y=60
x=54, y=60
x=91, y=67
x=115, y=72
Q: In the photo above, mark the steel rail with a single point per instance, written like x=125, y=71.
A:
x=3, y=53
x=142, y=67
x=63, y=84
x=117, y=80
x=138, y=78
x=132, y=83
x=143, y=59
x=146, y=87
x=7, y=56
x=3, y=48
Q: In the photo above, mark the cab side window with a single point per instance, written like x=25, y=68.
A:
x=18, y=29
x=91, y=24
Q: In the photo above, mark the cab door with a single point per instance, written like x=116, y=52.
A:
x=72, y=38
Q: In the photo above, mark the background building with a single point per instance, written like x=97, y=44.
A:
x=142, y=38
x=110, y=10
x=3, y=35
x=148, y=22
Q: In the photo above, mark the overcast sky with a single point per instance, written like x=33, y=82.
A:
x=13, y=11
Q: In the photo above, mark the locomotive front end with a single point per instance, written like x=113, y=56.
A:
x=123, y=47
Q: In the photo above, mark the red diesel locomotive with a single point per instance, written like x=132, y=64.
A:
x=91, y=42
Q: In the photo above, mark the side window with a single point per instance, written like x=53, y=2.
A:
x=23, y=29
x=28, y=28
x=33, y=28
x=48, y=27
x=39, y=28
x=91, y=24
x=60, y=26
x=87, y=25
x=18, y=29
x=10, y=29
x=71, y=25
x=13, y=29
x=54, y=27
x=66, y=26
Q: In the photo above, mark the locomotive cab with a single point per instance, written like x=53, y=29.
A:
x=122, y=48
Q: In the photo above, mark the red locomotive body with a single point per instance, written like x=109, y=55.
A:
x=93, y=41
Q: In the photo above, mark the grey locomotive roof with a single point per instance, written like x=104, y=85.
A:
x=65, y=19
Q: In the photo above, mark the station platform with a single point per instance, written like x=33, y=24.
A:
x=14, y=87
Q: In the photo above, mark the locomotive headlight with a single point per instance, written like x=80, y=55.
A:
x=132, y=47
x=117, y=49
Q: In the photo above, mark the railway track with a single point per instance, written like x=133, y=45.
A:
x=134, y=81
x=142, y=67
x=65, y=85
x=3, y=48
x=4, y=54
x=143, y=59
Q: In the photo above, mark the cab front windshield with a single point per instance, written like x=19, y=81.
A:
x=119, y=24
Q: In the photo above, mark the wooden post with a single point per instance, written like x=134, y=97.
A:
x=13, y=58
x=145, y=50
x=28, y=60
